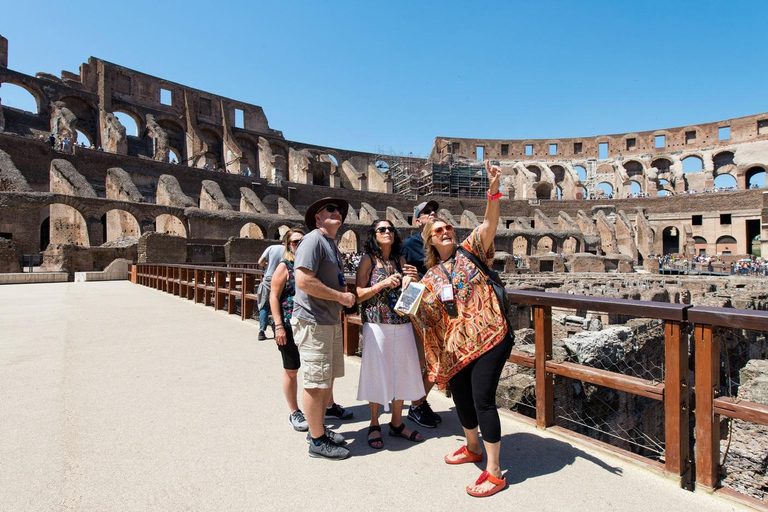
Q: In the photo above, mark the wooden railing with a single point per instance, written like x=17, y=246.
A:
x=220, y=287
x=213, y=285
x=673, y=392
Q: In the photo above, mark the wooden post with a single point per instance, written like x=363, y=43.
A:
x=199, y=285
x=545, y=405
x=676, y=407
x=246, y=304
x=220, y=290
x=707, y=422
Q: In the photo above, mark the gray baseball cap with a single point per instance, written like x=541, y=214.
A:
x=421, y=206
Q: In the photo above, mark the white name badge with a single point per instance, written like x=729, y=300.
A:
x=446, y=293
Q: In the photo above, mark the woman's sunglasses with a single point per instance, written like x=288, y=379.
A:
x=331, y=208
x=385, y=229
x=294, y=243
x=441, y=229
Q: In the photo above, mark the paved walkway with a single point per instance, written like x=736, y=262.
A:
x=114, y=396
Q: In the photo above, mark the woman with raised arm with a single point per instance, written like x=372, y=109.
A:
x=390, y=367
x=466, y=339
x=281, y=303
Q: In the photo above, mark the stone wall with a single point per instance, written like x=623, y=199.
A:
x=9, y=258
x=245, y=250
x=161, y=248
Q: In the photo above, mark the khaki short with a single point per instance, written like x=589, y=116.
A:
x=321, y=348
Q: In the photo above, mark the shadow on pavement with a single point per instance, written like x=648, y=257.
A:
x=526, y=456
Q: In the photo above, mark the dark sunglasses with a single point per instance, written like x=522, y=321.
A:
x=294, y=242
x=384, y=229
x=440, y=229
x=332, y=208
x=426, y=211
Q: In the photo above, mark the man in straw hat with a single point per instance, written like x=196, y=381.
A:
x=321, y=293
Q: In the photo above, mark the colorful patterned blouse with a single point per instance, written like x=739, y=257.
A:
x=379, y=309
x=286, y=298
x=450, y=344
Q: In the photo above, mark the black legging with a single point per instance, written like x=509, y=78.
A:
x=474, y=391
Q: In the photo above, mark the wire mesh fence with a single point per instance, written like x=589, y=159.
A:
x=743, y=444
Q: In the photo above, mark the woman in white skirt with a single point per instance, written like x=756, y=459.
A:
x=390, y=369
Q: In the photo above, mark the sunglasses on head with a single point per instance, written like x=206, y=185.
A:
x=441, y=229
x=384, y=229
x=331, y=208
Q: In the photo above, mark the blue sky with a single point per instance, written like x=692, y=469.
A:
x=391, y=76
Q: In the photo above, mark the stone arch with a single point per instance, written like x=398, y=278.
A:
x=171, y=224
x=521, y=246
x=699, y=245
x=545, y=244
x=726, y=180
x=634, y=168
x=692, y=163
x=45, y=232
x=87, y=115
x=348, y=242
x=138, y=123
x=176, y=138
x=543, y=190
x=606, y=188
x=559, y=172
x=662, y=164
x=174, y=155
x=68, y=226
x=536, y=170
x=251, y=230
x=280, y=154
x=214, y=156
x=757, y=174
x=250, y=149
x=635, y=187
x=723, y=159
x=670, y=240
x=84, y=138
x=571, y=245
x=664, y=188
x=37, y=95
x=121, y=223
x=726, y=244
x=581, y=172
x=334, y=158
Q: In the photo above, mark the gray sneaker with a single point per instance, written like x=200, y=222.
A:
x=298, y=421
x=328, y=450
x=335, y=437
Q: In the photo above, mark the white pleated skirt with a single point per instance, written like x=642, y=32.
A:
x=390, y=367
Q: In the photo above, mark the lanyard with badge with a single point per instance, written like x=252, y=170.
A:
x=447, y=296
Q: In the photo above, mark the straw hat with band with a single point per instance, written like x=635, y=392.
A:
x=309, y=217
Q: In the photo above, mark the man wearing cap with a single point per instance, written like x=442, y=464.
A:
x=413, y=251
x=320, y=296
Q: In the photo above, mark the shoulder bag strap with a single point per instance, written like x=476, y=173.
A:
x=474, y=259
